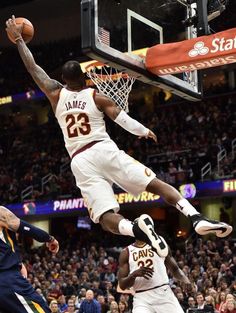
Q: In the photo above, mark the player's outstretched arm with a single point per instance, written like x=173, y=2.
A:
x=49, y=86
x=173, y=267
x=126, y=279
x=119, y=116
x=10, y=221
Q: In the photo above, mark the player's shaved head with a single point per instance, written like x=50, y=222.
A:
x=72, y=73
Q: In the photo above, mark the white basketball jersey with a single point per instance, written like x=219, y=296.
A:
x=145, y=256
x=79, y=118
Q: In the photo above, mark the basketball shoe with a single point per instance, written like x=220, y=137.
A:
x=204, y=226
x=143, y=229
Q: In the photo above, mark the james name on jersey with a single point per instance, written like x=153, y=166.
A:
x=75, y=104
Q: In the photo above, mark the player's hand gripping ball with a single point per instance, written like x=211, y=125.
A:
x=18, y=27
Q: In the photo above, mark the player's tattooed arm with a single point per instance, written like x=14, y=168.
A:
x=49, y=86
x=45, y=83
x=107, y=106
x=8, y=219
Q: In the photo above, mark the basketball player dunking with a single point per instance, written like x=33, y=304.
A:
x=16, y=293
x=144, y=271
x=96, y=161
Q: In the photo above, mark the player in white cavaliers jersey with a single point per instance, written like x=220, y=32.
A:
x=96, y=160
x=80, y=119
x=145, y=271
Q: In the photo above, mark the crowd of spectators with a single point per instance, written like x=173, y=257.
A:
x=85, y=272
x=189, y=136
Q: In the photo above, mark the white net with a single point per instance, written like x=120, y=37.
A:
x=112, y=83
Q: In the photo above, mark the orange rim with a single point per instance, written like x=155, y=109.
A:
x=94, y=64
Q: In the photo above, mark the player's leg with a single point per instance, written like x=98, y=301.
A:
x=18, y=303
x=201, y=224
x=142, y=304
x=125, y=171
x=144, y=309
x=164, y=301
x=117, y=224
x=103, y=208
x=135, y=178
x=18, y=296
x=100, y=199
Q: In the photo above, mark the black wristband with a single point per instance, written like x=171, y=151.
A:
x=33, y=232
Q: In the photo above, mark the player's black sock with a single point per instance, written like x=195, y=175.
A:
x=196, y=218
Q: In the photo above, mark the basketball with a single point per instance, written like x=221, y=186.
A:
x=27, y=29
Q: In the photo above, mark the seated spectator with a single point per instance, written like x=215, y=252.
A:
x=108, y=275
x=54, y=306
x=95, y=287
x=123, y=307
x=191, y=304
x=104, y=305
x=201, y=304
x=89, y=304
x=113, y=307
x=62, y=303
x=209, y=302
x=39, y=291
x=230, y=306
x=182, y=302
x=233, y=266
x=71, y=307
x=69, y=289
x=220, y=301
x=233, y=288
x=229, y=297
x=55, y=293
x=110, y=299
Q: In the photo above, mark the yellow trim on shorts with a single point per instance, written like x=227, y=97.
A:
x=10, y=240
x=38, y=307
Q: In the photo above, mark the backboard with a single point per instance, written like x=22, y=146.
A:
x=118, y=33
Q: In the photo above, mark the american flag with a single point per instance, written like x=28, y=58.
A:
x=104, y=36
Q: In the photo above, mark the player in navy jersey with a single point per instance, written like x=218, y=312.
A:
x=16, y=293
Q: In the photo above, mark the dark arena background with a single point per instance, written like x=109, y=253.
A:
x=195, y=152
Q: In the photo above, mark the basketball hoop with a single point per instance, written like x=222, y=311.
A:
x=111, y=82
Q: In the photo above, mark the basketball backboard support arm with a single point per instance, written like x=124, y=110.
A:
x=195, y=31
x=97, y=50
x=202, y=27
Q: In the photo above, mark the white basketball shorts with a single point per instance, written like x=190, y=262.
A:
x=159, y=300
x=101, y=165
